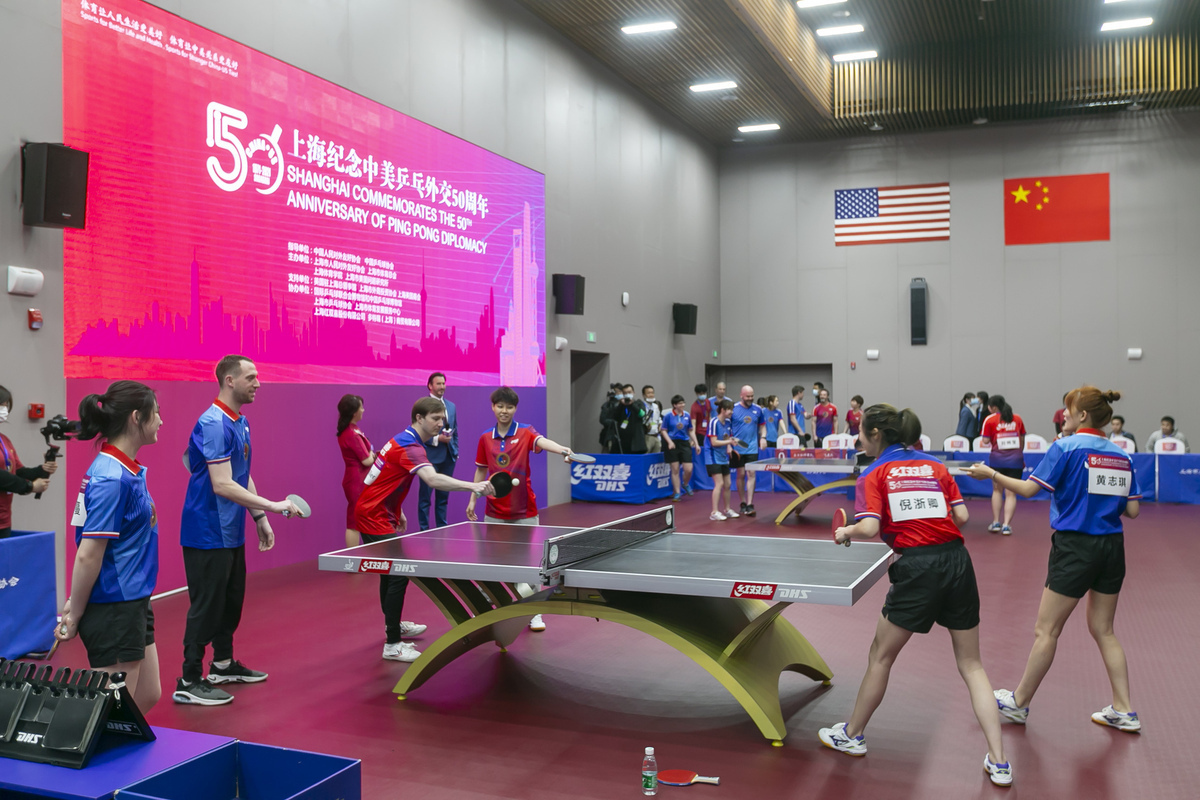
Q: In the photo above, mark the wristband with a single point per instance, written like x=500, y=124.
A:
x=259, y=517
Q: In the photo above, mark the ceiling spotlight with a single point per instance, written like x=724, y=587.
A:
x=769, y=126
x=650, y=27
x=1122, y=24
x=815, y=3
x=979, y=121
x=840, y=30
x=839, y=13
x=856, y=56
x=712, y=87
x=875, y=126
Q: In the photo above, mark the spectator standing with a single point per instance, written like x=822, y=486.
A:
x=854, y=415
x=357, y=455
x=1118, y=429
x=796, y=415
x=679, y=442
x=700, y=409
x=1166, y=429
x=654, y=415
x=608, y=433
x=1059, y=416
x=628, y=422
x=774, y=417
x=718, y=444
x=968, y=421
x=981, y=411
x=749, y=431
x=825, y=418
x=442, y=451
x=715, y=400
x=1004, y=431
x=15, y=477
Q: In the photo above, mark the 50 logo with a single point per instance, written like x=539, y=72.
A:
x=262, y=158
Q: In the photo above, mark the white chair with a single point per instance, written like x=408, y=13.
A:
x=788, y=441
x=1125, y=443
x=1170, y=446
x=979, y=447
x=838, y=441
x=926, y=443
x=956, y=444
x=1035, y=443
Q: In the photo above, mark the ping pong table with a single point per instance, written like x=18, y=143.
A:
x=794, y=466
x=717, y=599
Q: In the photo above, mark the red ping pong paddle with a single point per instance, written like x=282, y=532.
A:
x=839, y=521
x=683, y=777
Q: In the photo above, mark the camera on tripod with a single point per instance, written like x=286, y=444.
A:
x=60, y=429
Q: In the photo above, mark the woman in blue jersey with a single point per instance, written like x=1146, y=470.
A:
x=1093, y=486
x=116, y=536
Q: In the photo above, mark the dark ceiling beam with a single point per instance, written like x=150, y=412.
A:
x=793, y=46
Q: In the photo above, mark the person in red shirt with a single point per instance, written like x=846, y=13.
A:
x=825, y=418
x=1004, y=432
x=700, y=408
x=1060, y=417
x=15, y=477
x=910, y=500
x=854, y=415
x=378, y=515
x=357, y=455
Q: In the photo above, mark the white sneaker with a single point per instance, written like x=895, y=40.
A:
x=1118, y=719
x=401, y=651
x=537, y=623
x=411, y=629
x=731, y=514
x=1006, y=701
x=1001, y=774
x=717, y=516
x=836, y=738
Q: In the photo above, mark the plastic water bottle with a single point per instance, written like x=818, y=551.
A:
x=649, y=773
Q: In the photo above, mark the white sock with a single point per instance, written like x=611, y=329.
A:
x=222, y=664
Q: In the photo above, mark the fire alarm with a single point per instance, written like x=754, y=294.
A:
x=37, y=411
x=852, y=365
x=35, y=319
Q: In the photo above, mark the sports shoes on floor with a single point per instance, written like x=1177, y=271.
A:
x=236, y=672
x=675, y=498
x=731, y=514
x=1001, y=774
x=1118, y=719
x=994, y=527
x=411, y=629
x=200, y=693
x=717, y=516
x=401, y=651
x=1007, y=703
x=537, y=623
x=689, y=491
x=750, y=512
x=1006, y=530
x=742, y=507
x=835, y=738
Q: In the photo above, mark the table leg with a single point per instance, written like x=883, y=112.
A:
x=805, y=492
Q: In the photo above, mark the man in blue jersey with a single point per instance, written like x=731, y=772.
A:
x=213, y=535
x=796, y=415
x=749, y=433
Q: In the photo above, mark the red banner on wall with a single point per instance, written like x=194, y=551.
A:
x=1056, y=208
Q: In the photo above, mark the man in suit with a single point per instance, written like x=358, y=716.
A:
x=443, y=455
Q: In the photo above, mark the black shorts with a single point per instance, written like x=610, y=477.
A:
x=935, y=583
x=739, y=460
x=1016, y=473
x=681, y=454
x=117, y=633
x=717, y=469
x=1081, y=562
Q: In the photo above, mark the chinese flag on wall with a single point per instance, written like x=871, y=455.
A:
x=1056, y=208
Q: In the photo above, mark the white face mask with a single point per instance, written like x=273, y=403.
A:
x=816, y=392
x=3, y=413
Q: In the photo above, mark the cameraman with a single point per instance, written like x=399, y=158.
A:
x=608, y=431
x=627, y=420
x=15, y=478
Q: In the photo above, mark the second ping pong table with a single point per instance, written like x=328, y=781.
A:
x=793, y=466
x=717, y=599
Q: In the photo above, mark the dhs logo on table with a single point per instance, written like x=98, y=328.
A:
x=660, y=473
x=758, y=591
x=605, y=477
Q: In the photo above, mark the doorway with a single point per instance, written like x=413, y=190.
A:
x=589, y=390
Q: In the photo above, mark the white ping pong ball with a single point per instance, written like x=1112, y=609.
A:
x=516, y=481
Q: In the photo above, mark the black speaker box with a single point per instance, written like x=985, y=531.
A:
x=685, y=318
x=55, y=185
x=918, y=301
x=568, y=294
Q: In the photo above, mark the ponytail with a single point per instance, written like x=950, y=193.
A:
x=1006, y=412
x=347, y=407
x=106, y=415
x=896, y=427
x=1096, y=403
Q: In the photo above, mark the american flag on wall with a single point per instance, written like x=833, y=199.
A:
x=891, y=214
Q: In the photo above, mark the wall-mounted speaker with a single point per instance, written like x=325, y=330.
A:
x=568, y=293
x=685, y=318
x=918, y=303
x=55, y=185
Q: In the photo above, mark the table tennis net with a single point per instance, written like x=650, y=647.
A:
x=588, y=543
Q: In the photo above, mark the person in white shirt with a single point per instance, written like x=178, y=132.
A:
x=654, y=416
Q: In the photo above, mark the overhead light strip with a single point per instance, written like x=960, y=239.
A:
x=770, y=126
x=650, y=27
x=1122, y=24
x=839, y=30
x=860, y=56
x=712, y=87
x=815, y=3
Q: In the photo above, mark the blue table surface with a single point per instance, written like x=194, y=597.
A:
x=113, y=767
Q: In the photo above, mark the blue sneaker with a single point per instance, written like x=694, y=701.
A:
x=675, y=498
x=835, y=738
x=1001, y=774
x=689, y=491
x=1006, y=530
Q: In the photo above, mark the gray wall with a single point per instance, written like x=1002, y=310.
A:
x=1029, y=322
x=631, y=195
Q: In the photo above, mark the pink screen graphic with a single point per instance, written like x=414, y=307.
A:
x=238, y=204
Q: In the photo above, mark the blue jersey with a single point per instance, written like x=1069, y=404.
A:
x=677, y=425
x=114, y=505
x=797, y=408
x=1090, y=480
x=745, y=427
x=210, y=522
x=773, y=419
x=715, y=454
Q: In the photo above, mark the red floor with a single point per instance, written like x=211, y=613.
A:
x=567, y=712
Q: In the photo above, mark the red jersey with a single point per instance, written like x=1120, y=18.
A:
x=388, y=483
x=1006, y=441
x=700, y=415
x=911, y=494
x=9, y=462
x=510, y=454
x=825, y=415
x=853, y=420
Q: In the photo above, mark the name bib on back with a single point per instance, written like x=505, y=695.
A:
x=915, y=496
x=1108, y=475
x=1008, y=441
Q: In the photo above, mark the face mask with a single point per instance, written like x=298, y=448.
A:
x=626, y=397
x=816, y=392
x=701, y=397
x=974, y=401
x=3, y=413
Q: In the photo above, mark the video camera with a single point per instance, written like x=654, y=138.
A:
x=60, y=429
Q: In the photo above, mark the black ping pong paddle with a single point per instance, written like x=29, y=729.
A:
x=503, y=483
